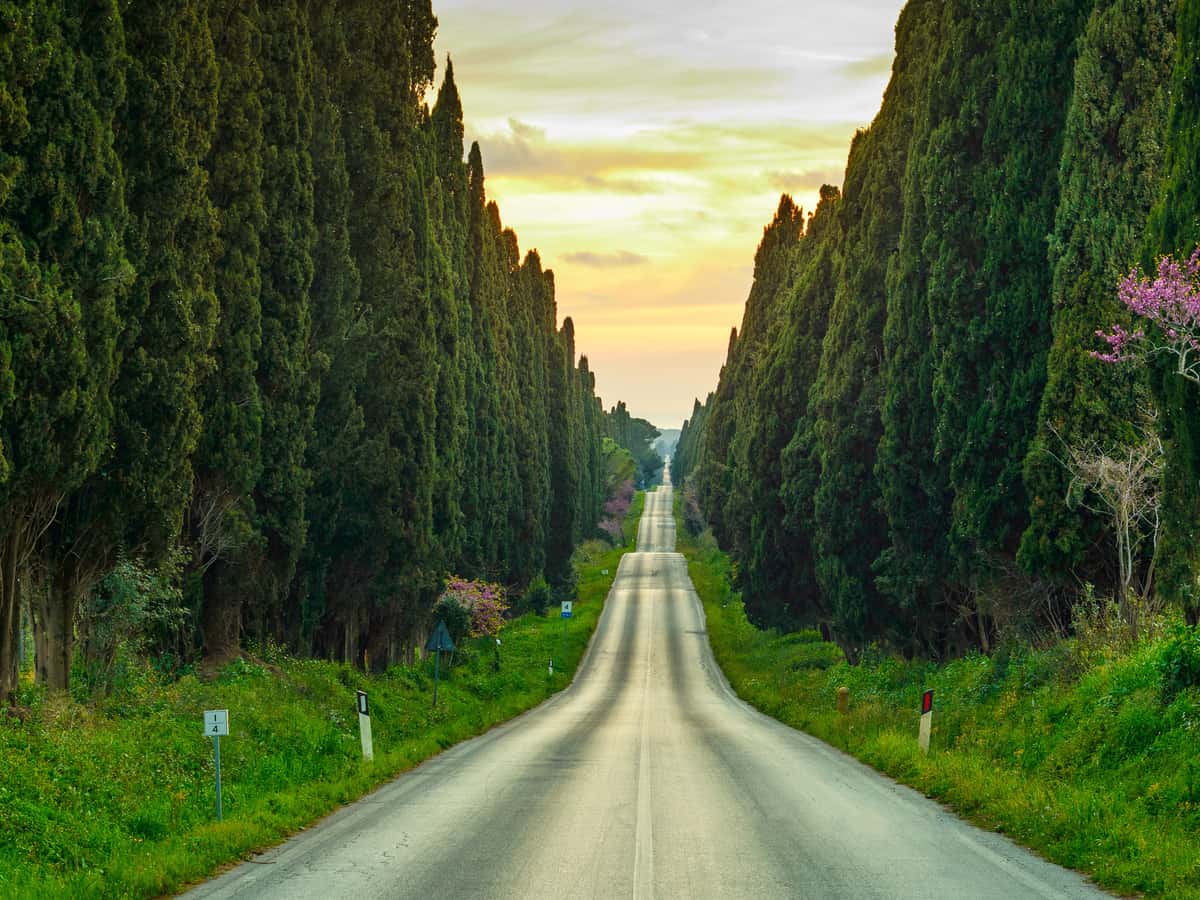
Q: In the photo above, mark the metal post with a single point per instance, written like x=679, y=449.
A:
x=564, y=642
x=217, y=758
x=437, y=658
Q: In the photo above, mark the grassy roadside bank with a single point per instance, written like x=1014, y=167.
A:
x=115, y=798
x=1087, y=756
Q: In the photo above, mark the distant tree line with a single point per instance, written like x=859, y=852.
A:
x=260, y=324
x=638, y=437
x=887, y=451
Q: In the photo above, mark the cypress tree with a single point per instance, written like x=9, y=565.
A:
x=775, y=267
x=230, y=456
x=712, y=474
x=388, y=66
x=1174, y=228
x=849, y=529
x=778, y=585
x=331, y=562
x=1110, y=169
x=532, y=313
x=564, y=470
x=444, y=176
x=68, y=204
x=489, y=450
x=167, y=127
x=690, y=452
x=914, y=490
x=991, y=315
x=288, y=374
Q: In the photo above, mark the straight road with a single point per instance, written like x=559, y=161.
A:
x=646, y=778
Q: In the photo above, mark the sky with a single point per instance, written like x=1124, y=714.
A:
x=640, y=148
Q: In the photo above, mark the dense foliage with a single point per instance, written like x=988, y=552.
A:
x=261, y=329
x=887, y=453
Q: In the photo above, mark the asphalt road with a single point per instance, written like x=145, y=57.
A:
x=646, y=778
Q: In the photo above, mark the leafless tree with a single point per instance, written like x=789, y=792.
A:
x=1123, y=483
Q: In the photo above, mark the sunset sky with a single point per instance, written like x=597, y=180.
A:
x=641, y=148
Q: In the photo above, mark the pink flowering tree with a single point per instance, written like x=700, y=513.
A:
x=1169, y=303
x=484, y=602
x=615, y=511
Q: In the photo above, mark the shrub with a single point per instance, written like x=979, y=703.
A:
x=537, y=595
x=480, y=608
x=448, y=609
x=1180, y=661
x=132, y=608
x=815, y=656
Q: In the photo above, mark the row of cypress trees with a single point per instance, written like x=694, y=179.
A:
x=257, y=317
x=881, y=454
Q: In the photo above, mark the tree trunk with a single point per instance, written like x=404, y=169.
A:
x=10, y=610
x=221, y=617
x=375, y=653
x=54, y=633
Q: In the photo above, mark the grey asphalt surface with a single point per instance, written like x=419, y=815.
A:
x=646, y=778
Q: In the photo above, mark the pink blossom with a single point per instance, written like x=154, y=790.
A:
x=1171, y=302
x=484, y=602
x=615, y=511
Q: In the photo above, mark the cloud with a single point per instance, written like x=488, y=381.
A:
x=615, y=260
x=869, y=67
x=526, y=150
x=808, y=180
x=640, y=163
x=571, y=56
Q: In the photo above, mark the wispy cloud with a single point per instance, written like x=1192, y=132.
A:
x=807, y=180
x=619, y=259
x=869, y=67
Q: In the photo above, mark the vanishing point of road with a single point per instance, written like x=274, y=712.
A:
x=647, y=777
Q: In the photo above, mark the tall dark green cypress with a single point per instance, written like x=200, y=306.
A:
x=288, y=372
x=66, y=272
x=690, y=451
x=388, y=66
x=763, y=327
x=458, y=385
x=849, y=528
x=229, y=459
x=167, y=126
x=773, y=452
x=331, y=564
x=991, y=316
x=1110, y=170
x=1174, y=228
x=531, y=310
x=489, y=449
x=564, y=471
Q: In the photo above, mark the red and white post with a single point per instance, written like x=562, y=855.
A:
x=926, y=721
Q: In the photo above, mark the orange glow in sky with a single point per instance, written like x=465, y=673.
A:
x=641, y=148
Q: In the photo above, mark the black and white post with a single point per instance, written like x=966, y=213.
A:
x=364, y=727
x=926, y=721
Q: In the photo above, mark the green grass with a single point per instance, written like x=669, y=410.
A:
x=115, y=798
x=1088, y=758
